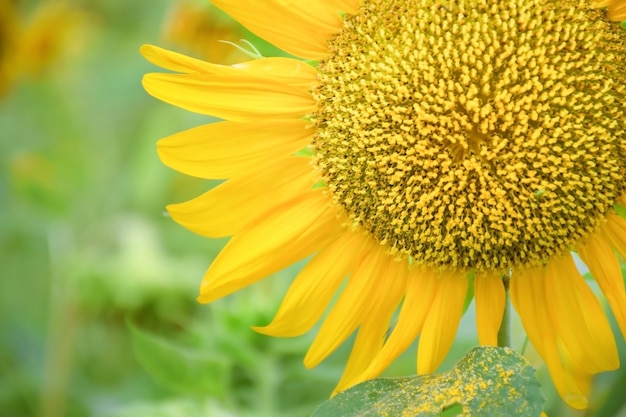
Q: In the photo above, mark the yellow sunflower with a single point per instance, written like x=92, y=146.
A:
x=201, y=28
x=420, y=143
x=8, y=36
x=29, y=46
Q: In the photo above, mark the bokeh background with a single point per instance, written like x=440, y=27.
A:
x=97, y=285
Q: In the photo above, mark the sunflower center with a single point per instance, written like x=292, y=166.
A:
x=480, y=134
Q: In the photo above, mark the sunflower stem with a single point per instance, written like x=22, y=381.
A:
x=504, y=333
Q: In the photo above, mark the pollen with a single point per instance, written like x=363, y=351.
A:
x=478, y=134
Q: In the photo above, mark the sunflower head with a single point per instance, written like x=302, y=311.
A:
x=442, y=138
x=480, y=135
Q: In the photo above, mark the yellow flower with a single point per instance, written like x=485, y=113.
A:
x=199, y=28
x=28, y=47
x=432, y=140
x=47, y=36
x=8, y=34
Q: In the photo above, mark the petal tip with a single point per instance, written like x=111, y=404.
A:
x=577, y=401
x=145, y=49
x=203, y=299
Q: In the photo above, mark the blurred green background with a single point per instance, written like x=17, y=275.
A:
x=97, y=304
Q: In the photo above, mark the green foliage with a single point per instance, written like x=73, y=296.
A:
x=181, y=369
x=486, y=382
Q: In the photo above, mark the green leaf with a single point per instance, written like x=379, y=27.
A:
x=452, y=410
x=179, y=368
x=488, y=381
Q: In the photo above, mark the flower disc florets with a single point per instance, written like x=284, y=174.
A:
x=482, y=134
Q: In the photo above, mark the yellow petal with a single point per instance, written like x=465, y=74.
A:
x=176, y=62
x=578, y=317
x=603, y=264
x=352, y=305
x=231, y=206
x=574, y=372
x=312, y=290
x=290, y=71
x=240, y=98
x=442, y=321
x=304, y=28
x=615, y=231
x=383, y=302
x=346, y=6
x=421, y=287
x=490, y=299
x=227, y=149
x=292, y=232
x=206, y=88
x=529, y=299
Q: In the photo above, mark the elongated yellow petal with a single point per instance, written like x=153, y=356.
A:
x=232, y=92
x=237, y=97
x=347, y=6
x=574, y=376
x=578, y=317
x=375, y=325
x=290, y=71
x=603, y=264
x=296, y=74
x=227, y=149
x=225, y=210
x=304, y=27
x=442, y=321
x=314, y=287
x=615, y=231
x=292, y=232
x=421, y=287
x=529, y=299
x=176, y=62
x=352, y=304
x=490, y=299
x=574, y=372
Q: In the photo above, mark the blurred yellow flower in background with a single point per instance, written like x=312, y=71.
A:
x=200, y=28
x=432, y=141
x=30, y=45
x=8, y=35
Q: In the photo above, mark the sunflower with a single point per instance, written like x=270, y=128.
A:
x=8, y=35
x=415, y=144
x=29, y=46
x=199, y=28
x=48, y=34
